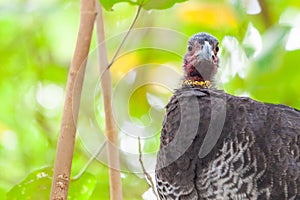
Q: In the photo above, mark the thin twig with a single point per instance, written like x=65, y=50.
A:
x=125, y=37
x=82, y=171
x=144, y=170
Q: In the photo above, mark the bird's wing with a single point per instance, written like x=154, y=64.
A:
x=175, y=170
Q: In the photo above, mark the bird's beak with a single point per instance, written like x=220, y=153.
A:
x=207, y=63
x=205, y=52
x=207, y=48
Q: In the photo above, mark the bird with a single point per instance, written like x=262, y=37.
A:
x=216, y=146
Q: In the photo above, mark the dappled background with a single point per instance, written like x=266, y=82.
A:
x=260, y=56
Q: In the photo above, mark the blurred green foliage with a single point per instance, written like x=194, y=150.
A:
x=37, y=186
x=260, y=53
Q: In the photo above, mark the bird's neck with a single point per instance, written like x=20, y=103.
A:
x=192, y=74
x=192, y=78
x=201, y=84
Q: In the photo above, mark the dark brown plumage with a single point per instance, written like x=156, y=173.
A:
x=218, y=146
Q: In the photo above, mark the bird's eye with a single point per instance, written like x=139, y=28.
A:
x=190, y=48
x=217, y=49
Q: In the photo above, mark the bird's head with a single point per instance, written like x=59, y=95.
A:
x=201, y=60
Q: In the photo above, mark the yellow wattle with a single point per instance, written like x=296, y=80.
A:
x=204, y=84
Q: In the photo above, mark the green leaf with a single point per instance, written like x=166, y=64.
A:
x=37, y=186
x=83, y=187
x=159, y=4
x=146, y=4
x=108, y=4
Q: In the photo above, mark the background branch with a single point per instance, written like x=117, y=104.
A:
x=89, y=162
x=111, y=129
x=66, y=140
x=125, y=37
x=265, y=13
x=148, y=177
x=103, y=61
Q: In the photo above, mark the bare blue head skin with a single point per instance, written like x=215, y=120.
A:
x=201, y=60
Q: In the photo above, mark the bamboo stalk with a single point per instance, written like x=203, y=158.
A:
x=66, y=140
